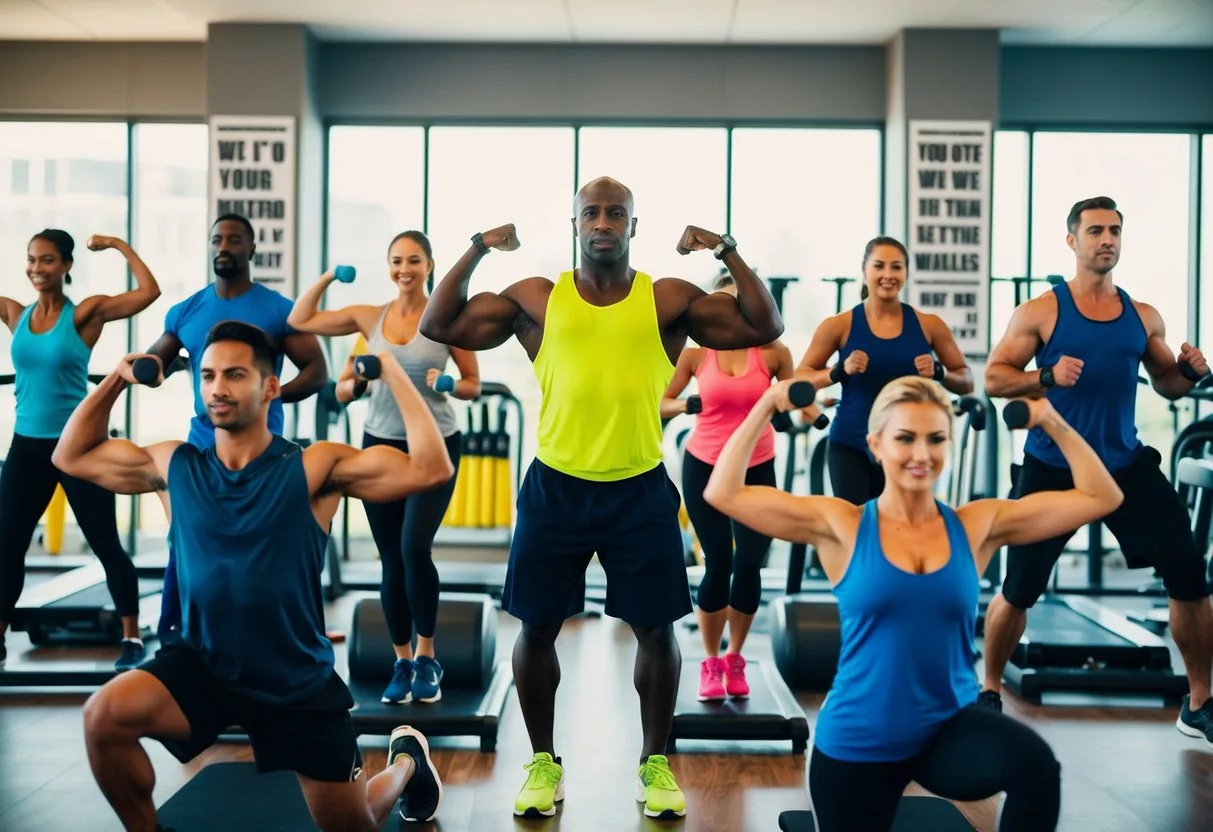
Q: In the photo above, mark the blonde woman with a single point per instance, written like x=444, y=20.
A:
x=904, y=568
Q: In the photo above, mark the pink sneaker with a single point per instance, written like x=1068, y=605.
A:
x=711, y=681
x=734, y=671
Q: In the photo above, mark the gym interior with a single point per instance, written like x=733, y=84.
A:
x=803, y=131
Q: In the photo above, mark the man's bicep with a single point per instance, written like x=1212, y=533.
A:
x=1021, y=340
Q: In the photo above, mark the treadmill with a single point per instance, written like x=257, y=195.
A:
x=75, y=608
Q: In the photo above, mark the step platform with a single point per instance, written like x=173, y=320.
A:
x=770, y=714
x=234, y=798
x=914, y=814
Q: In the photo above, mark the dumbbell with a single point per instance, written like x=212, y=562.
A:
x=694, y=405
x=444, y=383
x=145, y=370
x=345, y=273
x=367, y=366
x=1016, y=415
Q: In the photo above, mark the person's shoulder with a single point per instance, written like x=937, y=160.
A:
x=182, y=309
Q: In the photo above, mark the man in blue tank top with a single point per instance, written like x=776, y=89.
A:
x=233, y=297
x=249, y=526
x=1088, y=338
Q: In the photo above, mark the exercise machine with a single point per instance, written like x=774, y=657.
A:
x=771, y=712
x=914, y=814
x=474, y=686
x=805, y=631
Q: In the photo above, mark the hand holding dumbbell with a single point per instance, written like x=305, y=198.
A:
x=439, y=380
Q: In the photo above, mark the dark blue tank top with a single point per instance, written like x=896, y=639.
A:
x=888, y=358
x=249, y=554
x=906, y=663
x=1102, y=406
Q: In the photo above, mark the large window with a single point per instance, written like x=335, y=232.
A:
x=171, y=235
x=1149, y=176
x=678, y=177
x=483, y=177
x=804, y=204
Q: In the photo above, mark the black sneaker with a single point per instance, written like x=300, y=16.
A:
x=423, y=792
x=133, y=654
x=1198, y=723
x=990, y=699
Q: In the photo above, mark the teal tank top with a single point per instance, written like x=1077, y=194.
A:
x=52, y=374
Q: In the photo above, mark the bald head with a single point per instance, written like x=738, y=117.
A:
x=602, y=215
x=604, y=191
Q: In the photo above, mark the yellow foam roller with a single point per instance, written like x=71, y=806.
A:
x=56, y=513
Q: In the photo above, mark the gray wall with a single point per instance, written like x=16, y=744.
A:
x=1041, y=86
x=414, y=82
x=120, y=80
x=1150, y=88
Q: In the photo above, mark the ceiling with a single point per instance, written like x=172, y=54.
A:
x=1076, y=22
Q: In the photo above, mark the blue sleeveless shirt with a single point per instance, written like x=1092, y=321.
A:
x=52, y=373
x=1102, y=405
x=906, y=663
x=888, y=358
x=249, y=554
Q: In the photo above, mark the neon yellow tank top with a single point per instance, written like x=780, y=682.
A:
x=602, y=371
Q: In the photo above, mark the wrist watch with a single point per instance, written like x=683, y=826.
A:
x=940, y=372
x=727, y=244
x=1046, y=377
x=478, y=241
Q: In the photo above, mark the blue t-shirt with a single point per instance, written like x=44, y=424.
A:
x=191, y=320
x=249, y=556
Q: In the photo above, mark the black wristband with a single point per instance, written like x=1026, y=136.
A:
x=360, y=388
x=478, y=242
x=838, y=373
x=940, y=372
x=1185, y=370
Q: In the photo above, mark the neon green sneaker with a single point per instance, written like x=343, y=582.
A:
x=543, y=789
x=658, y=791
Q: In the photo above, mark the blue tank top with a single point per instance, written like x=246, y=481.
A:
x=1102, y=406
x=906, y=663
x=249, y=554
x=888, y=358
x=52, y=374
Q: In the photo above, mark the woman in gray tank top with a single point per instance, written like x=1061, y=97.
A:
x=403, y=530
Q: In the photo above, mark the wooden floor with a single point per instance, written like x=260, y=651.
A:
x=1124, y=769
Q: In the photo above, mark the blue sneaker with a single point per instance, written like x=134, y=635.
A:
x=426, y=679
x=133, y=654
x=399, y=690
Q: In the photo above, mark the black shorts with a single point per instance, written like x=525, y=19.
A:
x=1152, y=527
x=314, y=737
x=633, y=526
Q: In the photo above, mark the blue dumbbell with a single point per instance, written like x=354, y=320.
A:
x=344, y=273
x=444, y=384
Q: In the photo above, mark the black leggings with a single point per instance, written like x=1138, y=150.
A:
x=976, y=754
x=854, y=477
x=404, y=534
x=27, y=483
x=717, y=533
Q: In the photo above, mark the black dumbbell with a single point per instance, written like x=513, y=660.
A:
x=694, y=405
x=801, y=393
x=145, y=370
x=1016, y=414
x=367, y=366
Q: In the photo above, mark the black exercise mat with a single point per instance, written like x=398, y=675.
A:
x=232, y=797
x=914, y=814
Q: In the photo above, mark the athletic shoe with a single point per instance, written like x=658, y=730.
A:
x=543, y=789
x=990, y=699
x=658, y=791
x=422, y=794
x=1198, y=723
x=427, y=676
x=711, y=679
x=734, y=674
x=399, y=690
x=133, y=654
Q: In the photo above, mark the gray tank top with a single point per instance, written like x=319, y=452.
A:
x=383, y=418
